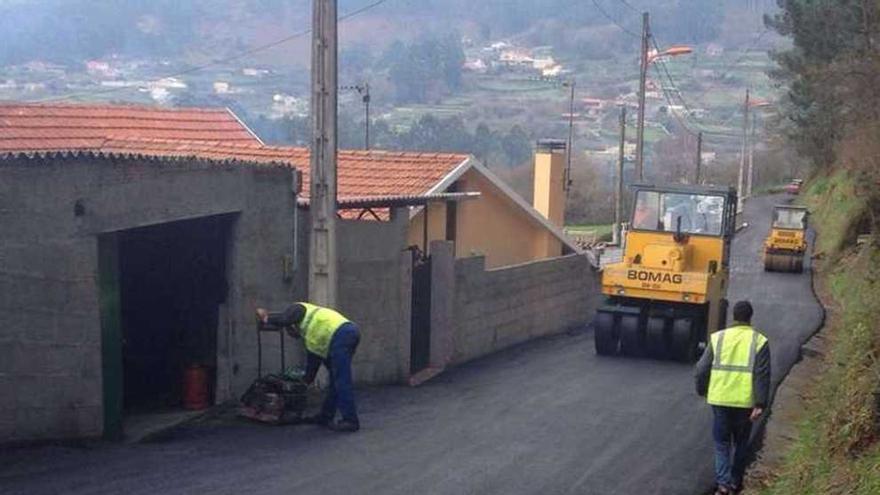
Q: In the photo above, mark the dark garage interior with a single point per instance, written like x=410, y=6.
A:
x=172, y=279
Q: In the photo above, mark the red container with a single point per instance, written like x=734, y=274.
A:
x=195, y=388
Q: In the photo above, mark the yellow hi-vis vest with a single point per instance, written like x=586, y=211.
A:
x=318, y=326
x=730, y=381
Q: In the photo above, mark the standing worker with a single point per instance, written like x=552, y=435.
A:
x=734, y=375
x=329, y=338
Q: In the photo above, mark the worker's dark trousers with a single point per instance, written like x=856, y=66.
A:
x=340, y=392
x=731, y=433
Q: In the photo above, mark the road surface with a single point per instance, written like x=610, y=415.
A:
x=546, y=417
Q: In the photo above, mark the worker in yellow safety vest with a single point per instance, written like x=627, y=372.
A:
x=734, y=375
x=331, y=339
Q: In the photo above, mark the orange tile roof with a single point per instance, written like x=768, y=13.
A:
x=359, y=173
x=48, y=127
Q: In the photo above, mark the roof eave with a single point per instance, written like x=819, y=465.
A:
x=446, y=181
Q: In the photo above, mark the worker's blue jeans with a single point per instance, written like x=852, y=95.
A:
x=340, y=391
x=731, y=431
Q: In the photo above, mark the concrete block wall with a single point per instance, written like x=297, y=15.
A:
x=50, y=326
x=375, y=281
x=494, y=309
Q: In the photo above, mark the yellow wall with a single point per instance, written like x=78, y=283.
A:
x=492, y=225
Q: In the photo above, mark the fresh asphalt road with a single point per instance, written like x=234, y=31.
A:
x=546, y=417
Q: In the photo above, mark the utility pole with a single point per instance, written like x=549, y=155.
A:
x=751, y=174
x=742, y=158
x=366, y=99
x=618, y=190
x=566, y=185
x=322, y=207
x=699, y=157
x=643, y=75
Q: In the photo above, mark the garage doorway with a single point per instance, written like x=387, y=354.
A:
x=171, y=279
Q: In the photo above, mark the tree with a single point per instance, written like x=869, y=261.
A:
x=429, y=67
x=831, y=71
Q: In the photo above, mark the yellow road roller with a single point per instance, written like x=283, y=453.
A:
x=667, y=294
x=786, y=243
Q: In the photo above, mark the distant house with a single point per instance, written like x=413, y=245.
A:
x=552, y=71
x=499, y=45
x=714, y=50
x=253, y=72
x=221, y=87
x=543, y=63
x=100, y=68
x=593, y=106
x=475, y=65
x=516, y=58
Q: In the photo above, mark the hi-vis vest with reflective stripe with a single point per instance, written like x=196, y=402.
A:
x=318, y=326
x=734, y=350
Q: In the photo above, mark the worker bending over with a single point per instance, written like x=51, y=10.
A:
x=329, y=338
x=734, y=375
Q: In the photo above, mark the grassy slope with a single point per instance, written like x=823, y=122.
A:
x=837, y=449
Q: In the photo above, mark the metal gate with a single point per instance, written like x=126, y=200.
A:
x=420, y=326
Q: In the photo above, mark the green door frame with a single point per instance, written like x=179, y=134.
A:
x=111, y=333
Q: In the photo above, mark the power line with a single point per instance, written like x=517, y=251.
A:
x=224, y=60
x=629, y=6
x=684, y=122
x=729, y=67
x=607, y=16
x=662, y=64
x=672, y=103
x=676, y=90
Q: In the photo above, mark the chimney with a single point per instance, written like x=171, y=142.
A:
x=549, y=197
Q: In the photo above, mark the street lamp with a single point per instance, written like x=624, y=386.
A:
x=672, y=51
x=570, y=84
x=567, y=179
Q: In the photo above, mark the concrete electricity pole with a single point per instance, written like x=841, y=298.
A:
x=699, y=157
x=751, y=174
x=322, y=207
x=643, y=76
x=618, y=190
x=740, y=189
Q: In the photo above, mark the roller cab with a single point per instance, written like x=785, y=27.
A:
x=668, y=292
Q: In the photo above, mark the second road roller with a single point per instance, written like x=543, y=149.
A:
x=668, y=293
x=786, y=243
